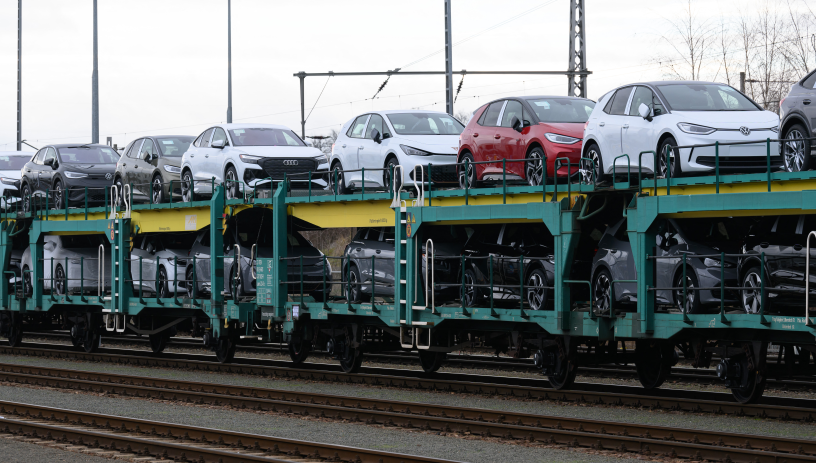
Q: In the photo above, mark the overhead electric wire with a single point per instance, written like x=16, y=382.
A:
x=318, y=99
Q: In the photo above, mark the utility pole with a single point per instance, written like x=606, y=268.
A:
x=95, y=85
x=742, y=82
x=229, y=61
x=577, y=83
x=448, y=60
x=19, y=75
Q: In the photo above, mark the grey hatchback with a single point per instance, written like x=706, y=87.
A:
x=797, y=123
x=150, y=165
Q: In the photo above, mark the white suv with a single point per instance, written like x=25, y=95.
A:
x=649, y=116
x=383, y=139
x=249, y=154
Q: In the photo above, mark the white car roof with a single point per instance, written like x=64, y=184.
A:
x=252, y=126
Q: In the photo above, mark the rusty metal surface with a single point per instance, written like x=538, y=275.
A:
x=573, y=432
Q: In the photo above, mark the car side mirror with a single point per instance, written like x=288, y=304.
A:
x=151, y=249
x=49, y=162
x=375, y=135
x=147, y=157
x=516, y=124
x=645, y=112
x=218, y=144
x=659, y=241
x=49, y=246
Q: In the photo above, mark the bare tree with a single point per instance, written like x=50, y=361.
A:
x=463, y=116
x=324, y=142
x=696, y=38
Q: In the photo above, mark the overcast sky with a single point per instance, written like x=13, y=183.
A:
x=163, y=63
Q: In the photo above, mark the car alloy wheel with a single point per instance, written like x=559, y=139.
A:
x=56, y=195
x=59, y=280
x=794, y=151
x=595, y=169
x=158, y=191
x=469, y=172
x=536, y=290
x=120, y=191
x=187, y=187
x=231, y=183
x=752, y=297
x=188, y=281
x=535, y=168
x=469, y=293
x=26, y=198
x=391, y=173
x=602, y=292
x=161, y=284
x=684, y=304
x=337, y=180
x=353, y=286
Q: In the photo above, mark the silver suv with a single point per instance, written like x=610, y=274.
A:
x=797, y=113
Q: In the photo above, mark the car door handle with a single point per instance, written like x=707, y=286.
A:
x=379, y=251
x=763, y=244
x=206, y=155
x=344, y=145
x=475, y=135
x=360, y=147
x=497, y=136
x=806, y=102
x=602, y=124
x=625, y=126
x=358, y=249
x=797, y=247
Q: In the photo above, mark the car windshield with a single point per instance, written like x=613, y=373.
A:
x=425, y=124
x=712, y=230
x=263, y=136
x=13, y=162
x=89, y=155
x=705, y=97
x=174, y=146
x=561, y=110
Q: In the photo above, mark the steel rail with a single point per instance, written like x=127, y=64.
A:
x=175, y=441
x=530, y=427
x=596, y=394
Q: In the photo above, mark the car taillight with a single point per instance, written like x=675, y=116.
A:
x=586, y=124
x=332, y=148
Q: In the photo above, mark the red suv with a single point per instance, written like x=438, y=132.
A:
x=529, y=127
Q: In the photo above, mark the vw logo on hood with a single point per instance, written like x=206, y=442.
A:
x=745, y=130
x=108, y=176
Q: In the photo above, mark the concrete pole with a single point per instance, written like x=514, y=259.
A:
x=742, y=82
x=95, y=85
x=19, y=75
x=448, y=60
x=229, y=61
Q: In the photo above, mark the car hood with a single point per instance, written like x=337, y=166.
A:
x=89, y=168
x=570, y=129
x=278, y=151
x=716, y=248
x=15, y=174
x=438, y=144
x=172, y=161
x=729, y=119
x=180, y=253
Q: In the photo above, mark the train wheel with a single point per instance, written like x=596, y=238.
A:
x=752, y=392
x=299, y=349
x=15, y=334
x=564, y=372
x=352, y=361
x=653, y=363
x=91, y=342
x=431, y=361
x=76, y=339
x=158, y=342
x=225, y=350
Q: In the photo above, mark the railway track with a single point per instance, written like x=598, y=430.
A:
x=129, y=438
x=509, y=426
x=524, y=388
x=679, y=374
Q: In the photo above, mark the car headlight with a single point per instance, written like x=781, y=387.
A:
x=413, y=151
x=695, y=129
x=172, y=169
x=561, y=139
x=8, y=181
x=70, y=174
x=250, y=159
x=716, y=263
x=550, y=259
x=322, y=158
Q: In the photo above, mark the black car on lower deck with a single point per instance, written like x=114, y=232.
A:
x=783, y=241
x=80, y=173
x=696, y=239
x=506, y=255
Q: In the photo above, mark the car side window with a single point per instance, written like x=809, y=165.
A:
x=50, y=153
x=786, y=224
x=512, y=110
x=205, y=240
x=386, y=130
x=491, y=118
x=511, y=236
x=357, y=129
x=147, y=148
x=219, y=134
x=205, y=139
x=38, y=159
x=621, y=234
x=134, y=149
x=810, y=81
x=375, y=122
x=619, y=101
x=642, y=96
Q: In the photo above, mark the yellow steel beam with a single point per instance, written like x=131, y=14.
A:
x=345, y=214
x=726, y=188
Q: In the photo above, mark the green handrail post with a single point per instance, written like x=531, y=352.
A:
x=156, y=285
x=362, y=190
x=336, y=186
x=521, y=283
x=65, y=195
x=504, y=181
x=52, y=280
x=175, y=277
x=668, y=169
x=544, y=180
x=309, y=181
x=373, y=282
x=467, y=170
x=171, y=193
x=141, y=280
x=763, y=295
x=301, y=280
x=464, y=290
x=325, y=295
x=82, y=278
x=768, y=161
x=717, y=165
x=66, y=280
x=628, y=168
x=430, y=185
x=151, y=196
x=195, y=283
x=490, y=272
x=723, y=319
x=685, y=287
x=86, y=203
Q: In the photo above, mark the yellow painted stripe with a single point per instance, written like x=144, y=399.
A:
x=345, y=214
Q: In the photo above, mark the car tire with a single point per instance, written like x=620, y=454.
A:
x=796, y=154
x=676, y=171
x=157, y=187
x=58, y=287
x=57, y=192
x=353, y=289
x=390, y=165
x=592, y=155
x=603, y=292
x=162, y=289
x=471, y=175
x=470, y=295
x=751, y=299
x=187, y=187
x=120, y=190
x=231, y=186
x=537, y=290
x=340, y=188
x=693, y=304
x=534, y=168
x=27, y=198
